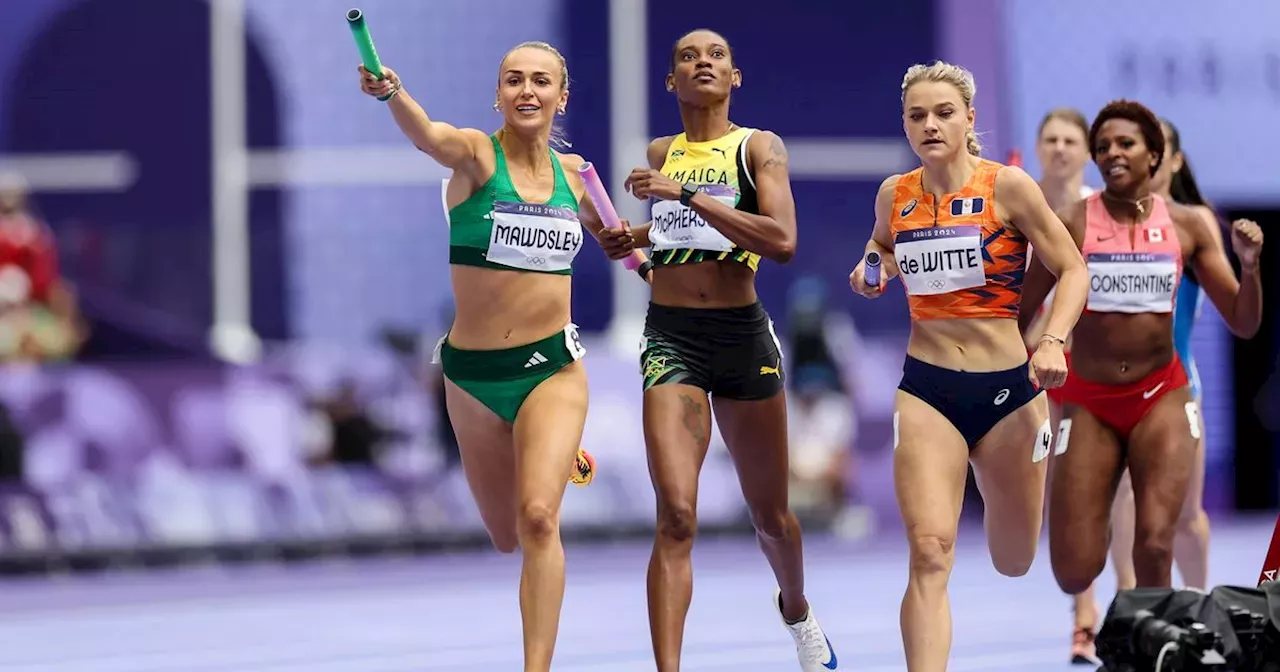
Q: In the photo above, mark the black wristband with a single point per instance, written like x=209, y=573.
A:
x=643, y=269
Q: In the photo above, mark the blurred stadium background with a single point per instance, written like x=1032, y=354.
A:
x=250, y=271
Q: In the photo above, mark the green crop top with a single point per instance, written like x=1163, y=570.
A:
x=495, y=228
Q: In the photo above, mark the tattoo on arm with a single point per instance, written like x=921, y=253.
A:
x=691, y=416
x=777, y=154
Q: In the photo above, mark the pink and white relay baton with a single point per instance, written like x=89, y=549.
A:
x=604, y=206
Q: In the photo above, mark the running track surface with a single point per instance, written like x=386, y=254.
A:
x=458, y=612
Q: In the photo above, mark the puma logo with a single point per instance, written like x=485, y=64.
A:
x=722, y=152
x=770, y=370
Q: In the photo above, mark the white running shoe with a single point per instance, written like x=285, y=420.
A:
x=812, y=645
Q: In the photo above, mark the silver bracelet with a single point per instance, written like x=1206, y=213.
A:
x=1052, y=339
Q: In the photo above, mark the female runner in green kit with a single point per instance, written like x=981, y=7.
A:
x=515, y=389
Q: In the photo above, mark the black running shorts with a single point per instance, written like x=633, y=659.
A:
x=731, y=353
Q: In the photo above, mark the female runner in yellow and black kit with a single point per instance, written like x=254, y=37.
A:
x=723, y=199
x=516, y=392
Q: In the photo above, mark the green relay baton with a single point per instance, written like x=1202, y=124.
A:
x=364, y=42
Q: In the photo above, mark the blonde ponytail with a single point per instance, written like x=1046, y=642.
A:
x=559, y=138
x=972, y=143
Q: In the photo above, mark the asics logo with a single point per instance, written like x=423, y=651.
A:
x=1152, y=392
x=1001, y=396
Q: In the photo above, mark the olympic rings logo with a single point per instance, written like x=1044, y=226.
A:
x=937, y=284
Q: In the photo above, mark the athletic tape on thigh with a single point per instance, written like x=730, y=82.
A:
x=895, y=430
x=1193, y=419
x=1064, y=436
x=1044, y=442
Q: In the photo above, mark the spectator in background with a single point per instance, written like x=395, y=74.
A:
x=418, y=351
x=811, y=332
x=39, y=320
x=434, y=374
x=446, y=439
x=354, y=438
x=12, y=450
x=821, y=432
x=823, y=422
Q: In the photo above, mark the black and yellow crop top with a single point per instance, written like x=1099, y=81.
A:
x=679, y=235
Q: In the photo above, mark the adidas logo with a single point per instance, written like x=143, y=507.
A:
x=535, y=360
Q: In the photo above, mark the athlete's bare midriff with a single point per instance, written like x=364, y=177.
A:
x=710, y=284
x=1119, y=349
x=971, y=344
x=497, y=309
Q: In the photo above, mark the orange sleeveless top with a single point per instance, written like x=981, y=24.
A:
x=957, y=260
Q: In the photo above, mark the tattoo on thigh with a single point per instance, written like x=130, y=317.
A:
x=691, y=415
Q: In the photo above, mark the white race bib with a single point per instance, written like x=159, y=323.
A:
x=573, y=342
x=435, y=352
x=1131, y=282
x=1044, y=443
x=941, y=259
x=534, y=237
x=1193, y=418
x=678, y=227
x=1064, y=437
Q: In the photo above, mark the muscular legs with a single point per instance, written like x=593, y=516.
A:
x=677, y=429
x=930, y=463
x=518, y=477
x=756, y=434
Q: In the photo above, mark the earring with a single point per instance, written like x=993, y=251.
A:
x=497, y=107
x=561, y=111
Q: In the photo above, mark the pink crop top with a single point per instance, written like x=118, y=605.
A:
x=1132, y=269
